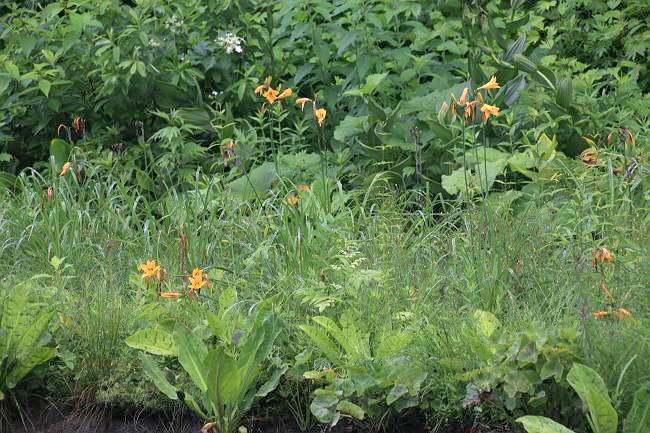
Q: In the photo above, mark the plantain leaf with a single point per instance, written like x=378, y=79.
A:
x=592, y=390
x=191, y=354
x=153, y=340
x=540, y=424
x=27, y=361
x=158, y=378
x=638, y=419
x=349, y=408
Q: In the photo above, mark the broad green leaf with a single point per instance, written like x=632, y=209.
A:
x=30, y=336
x=256, y=184
x=45, y=86
x=13, y=70
x=27, y=43
x=5, y=79
x=638, y=419
x=350, y=408
x=349, y=127
x=157, y=376
x=272, y=383
x=391, y=344
x=191, y=354
x=26, y=361
x=59, y=149
x=486, y=322
x=322, y=341
x=153, y=340
x=372, y=81
x=333, y=329
x=592, y=390
x=540, y=424
x=552, y=367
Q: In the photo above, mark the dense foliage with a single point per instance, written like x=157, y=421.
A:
x=358, y=209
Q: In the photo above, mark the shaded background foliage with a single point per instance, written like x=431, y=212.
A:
x=382, y=68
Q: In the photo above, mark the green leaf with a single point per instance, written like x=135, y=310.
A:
x=45, y=86
x=350, y=408
x=272, y=383
x=191, y=354
x=158, y=378
x=592, y=390
x=349, y=127
x=27, y=43
x=153, y=340
x=391, y=344
x=31, y=335
x=27, y=361
x=258, y=182
x=13, y=70
x=5, y=79
x=638, y=419
x=60, y=150
x=486, y=322
x=516, y=48
x=564, y=96
x=372, y=81
x=552, y=367
x=322, y=341
x=540, y=424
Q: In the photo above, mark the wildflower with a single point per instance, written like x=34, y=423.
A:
x=50, y=194
x=607, y=256
x=320, y=114
x=489, y=110
x=468, y=109
x=196, y=280
x=463, y=97
x=302, y=102
x=65, y=169
x=285, y=94
x=171, y=294
x=602, y=257
x=150, y=269
x=292, y=199
x=589, y=156
x=303, y=187
x=263, y=86
x=622, y=312
x=599, y=314
x=492, y=84
x=231, y=43
x=271, y=95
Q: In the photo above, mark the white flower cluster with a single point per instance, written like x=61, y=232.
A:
x=230, y=42
x=174, y=24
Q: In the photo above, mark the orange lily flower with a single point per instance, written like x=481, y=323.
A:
x=65, y=169
x=302, y=102
x=600, y=314
x=285, y=94
x=196, y=280
x=292, y=199
x=463, y=97
x=607, y=256
x=622, y=312
x=150, y=269
x=171, y=294
x=320, y=114
x=303, y=187
x=492, y=84
x=271, y=95
x=489, y=110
